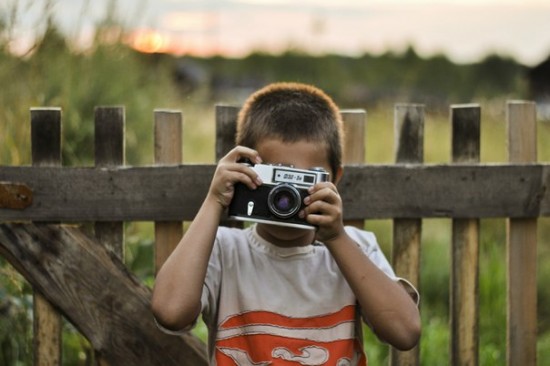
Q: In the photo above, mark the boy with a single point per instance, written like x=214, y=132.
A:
x=281, y=295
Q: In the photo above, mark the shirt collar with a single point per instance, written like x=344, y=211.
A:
x=282, y=252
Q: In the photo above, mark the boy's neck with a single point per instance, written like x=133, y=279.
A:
x=286, y=237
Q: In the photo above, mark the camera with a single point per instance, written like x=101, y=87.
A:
x=279, y=199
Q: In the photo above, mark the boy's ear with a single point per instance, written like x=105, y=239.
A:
x=338, y=175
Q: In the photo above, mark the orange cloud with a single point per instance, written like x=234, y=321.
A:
x=153, y=41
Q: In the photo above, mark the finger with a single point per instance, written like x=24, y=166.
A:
x=323, y=208
x=240, y=153
x=325, y=194
x=319, y=220
x=240, y=173
x=322, y=186
x=252, y=181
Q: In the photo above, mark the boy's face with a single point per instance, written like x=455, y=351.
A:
x=301, y=154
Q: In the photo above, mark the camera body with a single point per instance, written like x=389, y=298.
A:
x=279, y=199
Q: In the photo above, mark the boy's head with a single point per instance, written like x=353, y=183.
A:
x=292, y=112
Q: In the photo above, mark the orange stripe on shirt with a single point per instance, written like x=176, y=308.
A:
x=346, y=314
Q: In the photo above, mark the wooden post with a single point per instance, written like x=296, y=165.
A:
x=354, y=144
x=46, y=151
x=226, y=127
x=109, y=152
x=409, y=148
x=168, y=150
x=465, y=124
x=521, y=337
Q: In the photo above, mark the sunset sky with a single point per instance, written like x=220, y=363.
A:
x=464, y=30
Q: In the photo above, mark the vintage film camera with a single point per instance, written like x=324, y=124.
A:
x=279, y=199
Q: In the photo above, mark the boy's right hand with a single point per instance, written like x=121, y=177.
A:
x=229, y=172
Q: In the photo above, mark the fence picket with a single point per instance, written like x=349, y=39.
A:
x=409, y=148
x=465, y=121
x=109, y=152
x=354, y=144
x=521, y=337
x=46, y=151
x=168, y=150
x=226, y=127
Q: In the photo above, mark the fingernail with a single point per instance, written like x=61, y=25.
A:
x=258, y=181
x=258, y=160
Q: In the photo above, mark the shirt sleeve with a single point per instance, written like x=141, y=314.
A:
x=411, y=290
x=212, y=282
x=174, y=332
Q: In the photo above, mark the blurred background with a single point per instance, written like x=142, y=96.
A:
x=194, y=54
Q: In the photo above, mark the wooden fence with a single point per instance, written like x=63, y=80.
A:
x=87, y=283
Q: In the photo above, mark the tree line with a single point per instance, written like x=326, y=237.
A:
x=355, y=81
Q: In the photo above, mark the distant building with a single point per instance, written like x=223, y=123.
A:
x=189, y=75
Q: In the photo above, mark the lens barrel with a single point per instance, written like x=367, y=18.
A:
x=284, y=200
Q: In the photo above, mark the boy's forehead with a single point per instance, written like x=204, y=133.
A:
x=301, y=154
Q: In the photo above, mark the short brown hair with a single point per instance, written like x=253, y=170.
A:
x=292, y=112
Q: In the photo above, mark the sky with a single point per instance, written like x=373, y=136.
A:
x=465, y=30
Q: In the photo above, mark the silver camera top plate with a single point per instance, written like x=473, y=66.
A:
x=275, y=174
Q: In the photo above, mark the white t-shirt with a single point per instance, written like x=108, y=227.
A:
x=267, y=305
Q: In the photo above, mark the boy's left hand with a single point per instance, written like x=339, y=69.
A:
x=324, y=209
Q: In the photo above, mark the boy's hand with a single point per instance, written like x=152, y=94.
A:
x=324, y=209
x=229, y=172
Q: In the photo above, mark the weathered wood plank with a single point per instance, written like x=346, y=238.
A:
x=370, y=191
x=446, y=191
x=521, y=335
x=354, y=144
x=109, y=152
x=95, y=291
x=109, y=140
x=46, y=136
x=465, y=125
x=407, y=232
x=46, y=151
x=168, y=150
x=226, y=129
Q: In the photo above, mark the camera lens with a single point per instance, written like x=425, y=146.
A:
x=284, y=200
